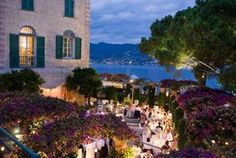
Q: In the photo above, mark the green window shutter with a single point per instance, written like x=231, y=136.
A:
x=72, y=8
x=59, y=47
x=14, y=51
x=31, y=5
x=28, y=5
x=40, y=52
x=66, y=8
x=24, y=4
x=69, y=8
x=78, y=48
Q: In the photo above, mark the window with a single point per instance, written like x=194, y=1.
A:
x=68, y=44
x=27, y=5
x=26, y=47
x=69, y=8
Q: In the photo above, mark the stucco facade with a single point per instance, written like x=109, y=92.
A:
x=48, y=21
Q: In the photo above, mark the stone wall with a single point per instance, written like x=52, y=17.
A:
x=2, y=35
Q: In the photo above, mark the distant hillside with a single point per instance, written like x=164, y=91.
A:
x=118, y=54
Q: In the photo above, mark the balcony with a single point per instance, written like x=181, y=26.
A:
x=27, y=61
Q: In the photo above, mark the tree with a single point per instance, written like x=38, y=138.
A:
x=202, y=37
x=85, y=81
x=24, y=80
x=111, y=93
x=138, y=96
x=151, y=96
x=228, y=79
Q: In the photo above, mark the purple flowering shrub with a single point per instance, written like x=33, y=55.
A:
x=210, y=114
x=63, y=137
x=24, y=108
x=189, y=153
x=175, y=84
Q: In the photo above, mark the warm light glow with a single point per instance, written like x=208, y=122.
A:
x=17, y=130
x=19, y=136
x=226, y=143
x=33, y=132
x=226, y=105
x=131, y=81
x=167, y=93
x=2, y=148
x=213, y=141
x=95, y=150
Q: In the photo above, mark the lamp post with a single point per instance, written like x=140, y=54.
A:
x=132, y=90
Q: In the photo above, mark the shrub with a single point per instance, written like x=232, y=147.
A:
x=24, y=80
x=182, y=135
x=178, y=115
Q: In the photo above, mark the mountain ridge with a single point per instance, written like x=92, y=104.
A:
x=121, y=54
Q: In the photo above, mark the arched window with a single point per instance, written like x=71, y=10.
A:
x=68, y=44
x=27, y=41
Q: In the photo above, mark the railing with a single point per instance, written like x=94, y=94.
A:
x=27, y=61
x=28, y=151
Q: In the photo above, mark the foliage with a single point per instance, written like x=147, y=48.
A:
x=176, y=84
x=151, y=96
x=85, y=81
x=127, y=101
x=190, y=153
x=228, y=79
x=120, y=96
x=114, y=77
x=128, y=89
x=181, y=131
x=202, y=37
x=178, y=115
x=26, y=108
x=138, y=96
x=129, y=153
x=62, y=137
x=24, y=80
x=111, y=93
x=210, y=115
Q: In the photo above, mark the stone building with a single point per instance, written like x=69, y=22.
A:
x=49, y=36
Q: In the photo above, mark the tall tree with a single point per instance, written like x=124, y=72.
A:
x=85, y=81
x=202, y=37
x=111, y=93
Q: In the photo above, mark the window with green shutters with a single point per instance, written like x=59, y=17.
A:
x=14, y=50
x=69, y=8
x=40, y=52
x=27, y=5
x=77, y=44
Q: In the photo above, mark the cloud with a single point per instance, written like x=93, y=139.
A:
x=126, y=21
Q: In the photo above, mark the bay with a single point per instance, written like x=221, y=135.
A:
x=152, y=72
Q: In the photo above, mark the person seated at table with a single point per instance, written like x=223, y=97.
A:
x=148, y=154
x=143, y=119
x=130, y=112
x=103, y=152
x=165, y=148
x=137, y=112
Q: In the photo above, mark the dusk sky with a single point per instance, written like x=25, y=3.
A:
x=126, y=21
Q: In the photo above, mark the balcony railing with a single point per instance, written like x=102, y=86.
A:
x=4, y=133
x=27, y=61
